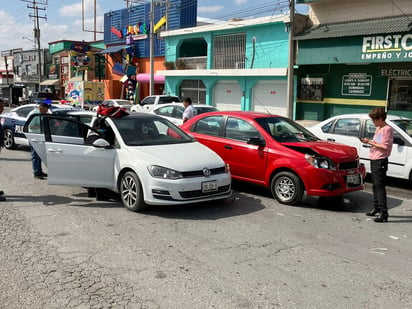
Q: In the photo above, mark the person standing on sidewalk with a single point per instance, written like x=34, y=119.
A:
x=42, y=108
x=381, y=147
x=2, y=197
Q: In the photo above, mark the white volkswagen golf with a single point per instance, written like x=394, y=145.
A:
x=143, y=157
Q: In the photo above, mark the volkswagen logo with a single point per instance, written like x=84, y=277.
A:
x=206, y=172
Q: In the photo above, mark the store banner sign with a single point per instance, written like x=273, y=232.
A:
x=357, y=84
x=392, y=47
x=396, y=72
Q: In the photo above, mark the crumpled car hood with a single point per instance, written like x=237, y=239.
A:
x=335, y=151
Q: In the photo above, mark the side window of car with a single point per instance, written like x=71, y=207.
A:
x=179, y=112
x=165, y=111
x=164, y=100
x=63, y=127
x=34, y=126
x=370, y=129
x=326, y=127
x=24, y=111
x=240, y=130
x=347, y=126
x=149, y=100
x=209, y=125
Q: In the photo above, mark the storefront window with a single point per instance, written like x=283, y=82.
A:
x=400, y=95
x=311, y=89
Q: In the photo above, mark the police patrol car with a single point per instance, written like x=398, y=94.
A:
x=13, y=122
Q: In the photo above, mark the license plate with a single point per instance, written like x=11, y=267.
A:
x=353, y=180
x=209, y=186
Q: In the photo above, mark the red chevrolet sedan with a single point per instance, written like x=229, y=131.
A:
x=278, y=153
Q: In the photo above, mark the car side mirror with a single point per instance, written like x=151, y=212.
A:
x=398, y=141
x=256, y=141
x=101, y=143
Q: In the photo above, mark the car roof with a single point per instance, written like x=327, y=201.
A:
x=364, y=115
x=245, y=114
x=139, y=115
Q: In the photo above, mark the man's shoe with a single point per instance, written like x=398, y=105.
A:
x=39, y=176
x=2, y=198
x=43, y=174
x=383, y=217
x=373, y=212
x=1, y=192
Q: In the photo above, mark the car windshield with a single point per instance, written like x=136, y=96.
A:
x=405, y=125
x=145, y=131
x=285, y=130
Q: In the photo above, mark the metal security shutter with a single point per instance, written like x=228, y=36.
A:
x=227, y=95
x=270, y=96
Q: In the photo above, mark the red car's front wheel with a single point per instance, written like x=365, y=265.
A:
x=287, y=188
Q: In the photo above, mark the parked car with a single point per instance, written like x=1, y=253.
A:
x=278, y=153
x=38, y=97
x=116, y=102
x=149, y=102
x=14, y=120
x=143, y=157
x=174, y=111
x=349, y=128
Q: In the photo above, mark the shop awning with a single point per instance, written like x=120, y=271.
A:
x=144, y=78
x=396, y=24
x=112, y=49
x=50, y=82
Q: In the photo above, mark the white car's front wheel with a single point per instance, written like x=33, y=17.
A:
x=131, y=192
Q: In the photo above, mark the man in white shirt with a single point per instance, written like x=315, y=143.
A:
x=190, y=111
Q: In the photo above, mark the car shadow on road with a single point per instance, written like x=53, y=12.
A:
x=15, y=159
x=79, y=200
x=356, y=202
x=47, y=200
x=237, y=205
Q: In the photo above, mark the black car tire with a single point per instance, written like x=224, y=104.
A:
x=287, y=188
x=9, y=139
x=131, y=192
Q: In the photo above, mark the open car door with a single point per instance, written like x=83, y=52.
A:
x=59, y=141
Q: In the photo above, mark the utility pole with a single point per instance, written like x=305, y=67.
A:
x=291, y=63
x=151, y=92
x=36, y=31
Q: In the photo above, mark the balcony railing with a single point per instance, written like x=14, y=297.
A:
x=191, y=63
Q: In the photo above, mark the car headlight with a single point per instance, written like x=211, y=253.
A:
x=163, y=172
x=320, y=162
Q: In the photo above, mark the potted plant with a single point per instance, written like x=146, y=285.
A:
x=169, y=65
x=180, y=64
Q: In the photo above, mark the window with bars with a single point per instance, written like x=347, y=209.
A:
x=229, y=51
x=195, y=89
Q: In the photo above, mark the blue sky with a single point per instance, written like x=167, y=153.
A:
x=64, y=17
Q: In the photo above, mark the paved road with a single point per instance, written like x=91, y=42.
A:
x=61, y=249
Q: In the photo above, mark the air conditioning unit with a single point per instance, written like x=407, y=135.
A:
x=239, y=65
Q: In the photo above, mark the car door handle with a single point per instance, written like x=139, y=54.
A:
x=330, y=139
x=228, y=147
x=35, y=140
x=366, y=145
x=54, y=150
